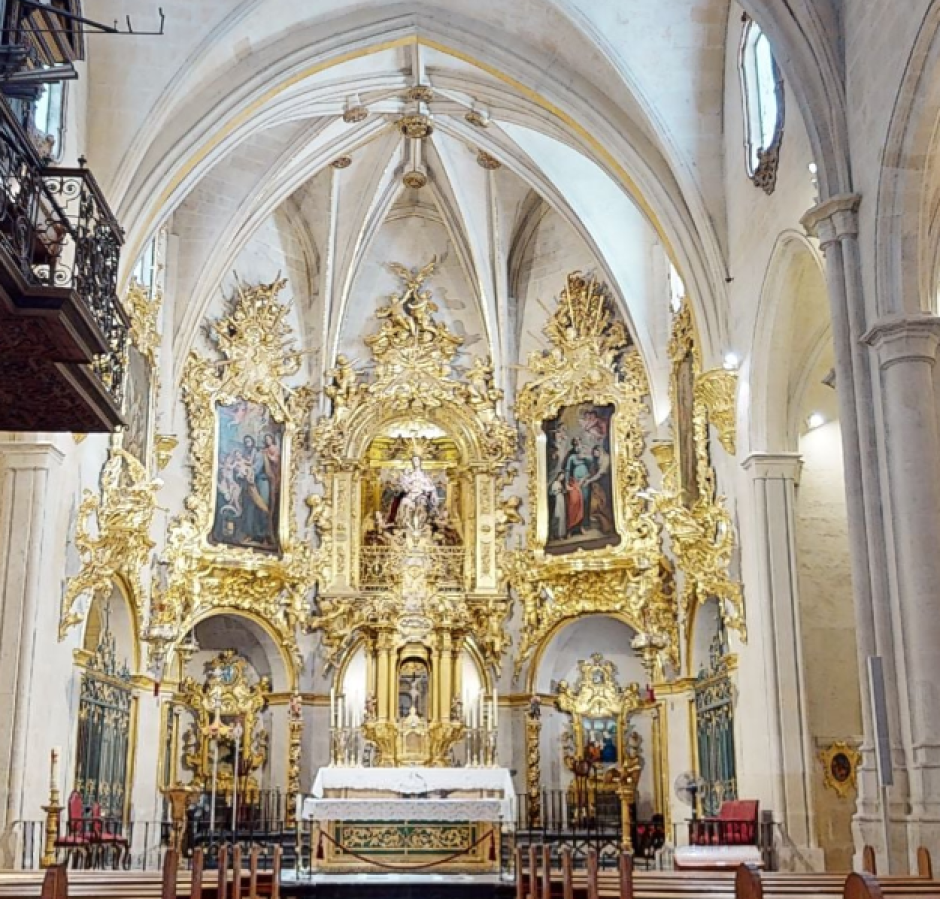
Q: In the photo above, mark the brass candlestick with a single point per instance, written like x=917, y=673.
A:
x=53, y=810
x=181, y=798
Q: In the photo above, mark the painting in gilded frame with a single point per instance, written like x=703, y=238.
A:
x=579, y=479
x=137, y=438
x=248, y=476
x=599, y=740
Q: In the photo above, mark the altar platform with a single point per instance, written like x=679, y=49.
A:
x=398, y=886
x=410, y=822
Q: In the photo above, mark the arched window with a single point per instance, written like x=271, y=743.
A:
x=762, y=90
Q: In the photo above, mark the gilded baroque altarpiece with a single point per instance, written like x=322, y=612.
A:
x=421, y=410
x=591, y=367
x=267, y=567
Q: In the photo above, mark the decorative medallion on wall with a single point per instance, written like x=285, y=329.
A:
x=840, y=763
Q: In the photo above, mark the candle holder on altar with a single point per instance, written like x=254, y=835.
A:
x=180, y=798
x=53, y=810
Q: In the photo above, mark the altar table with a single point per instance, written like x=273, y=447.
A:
x=438, y=820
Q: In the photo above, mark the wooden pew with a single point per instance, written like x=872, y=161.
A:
x=170, y=883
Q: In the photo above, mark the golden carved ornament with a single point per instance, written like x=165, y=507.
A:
x=701, y=532
x=597, y=693
x=840, y=763
x=414, y=376
x=717, y=391
x=533, y=752
x=416, y=126
x=257, y=355
x=164, y=444
x=143, y=310
x=591, y=360
x=119, y=546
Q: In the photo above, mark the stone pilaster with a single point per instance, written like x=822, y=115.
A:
x=27, y=475
x=773, y=480
x=905, y=347
x=835, y=223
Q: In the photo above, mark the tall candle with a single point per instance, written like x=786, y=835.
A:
x=332, y=707
x=495, y=707
x=54, y=772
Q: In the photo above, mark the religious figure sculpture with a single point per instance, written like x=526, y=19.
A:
x=418, y=496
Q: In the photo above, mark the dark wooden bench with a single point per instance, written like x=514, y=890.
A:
x=58, y=882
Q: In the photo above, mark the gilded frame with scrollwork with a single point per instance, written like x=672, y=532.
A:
x=255, y=360
x=592, y=360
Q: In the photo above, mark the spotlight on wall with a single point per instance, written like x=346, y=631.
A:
x=732, y=361
x=815, y=420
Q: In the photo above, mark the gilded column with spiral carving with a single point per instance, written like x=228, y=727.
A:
x=533, y=780
x=295, y=724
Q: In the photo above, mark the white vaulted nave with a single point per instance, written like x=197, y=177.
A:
x=434, y=433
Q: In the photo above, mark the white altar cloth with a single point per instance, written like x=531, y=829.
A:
x=412, y=810
x=423, y=793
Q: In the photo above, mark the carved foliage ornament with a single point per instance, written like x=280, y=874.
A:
x=257, y=355
x=591, y=360
x=119, y=545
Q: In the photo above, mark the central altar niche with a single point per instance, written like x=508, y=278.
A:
x=413, y=607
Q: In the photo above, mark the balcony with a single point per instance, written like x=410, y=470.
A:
x=63, y=332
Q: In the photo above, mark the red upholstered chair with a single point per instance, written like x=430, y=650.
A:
x=76, y=841
x=735, y=825
x=106, y=840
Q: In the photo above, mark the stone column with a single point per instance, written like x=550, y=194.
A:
x=905, y=347
x=835, y=223
x=27, y=474
x=773, y=479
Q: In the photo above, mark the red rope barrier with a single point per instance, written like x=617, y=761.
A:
x=388, y=867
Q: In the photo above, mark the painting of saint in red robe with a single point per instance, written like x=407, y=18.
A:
x=580, y=479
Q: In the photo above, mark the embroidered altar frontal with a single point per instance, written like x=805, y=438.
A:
x=433, y=846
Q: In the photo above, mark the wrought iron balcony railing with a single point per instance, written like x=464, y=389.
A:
x=58, y=232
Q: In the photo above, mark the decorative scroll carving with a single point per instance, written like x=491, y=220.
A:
x=716, y=390
x=143, y=310
x=255, y=342
x=591, y=360
x=295, y=724
x=123, y=513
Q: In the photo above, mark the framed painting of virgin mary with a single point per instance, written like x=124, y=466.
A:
x=579, y=483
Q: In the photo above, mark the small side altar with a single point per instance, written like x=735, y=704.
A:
x=445, y=820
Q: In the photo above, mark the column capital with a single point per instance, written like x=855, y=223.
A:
x=36, y=456
x=774, y=466
x=911, y=337
x=833, y=219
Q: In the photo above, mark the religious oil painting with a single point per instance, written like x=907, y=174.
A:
x=138, y=387
x=599, y=736
x=580, y=481
x=250, y=445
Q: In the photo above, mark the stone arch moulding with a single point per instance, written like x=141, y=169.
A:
x=909, y=186
x=289, y=668
x=124, y=591
x=764, y=362
x=538, y=653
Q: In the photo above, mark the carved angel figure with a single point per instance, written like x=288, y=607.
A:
x=341, y=385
